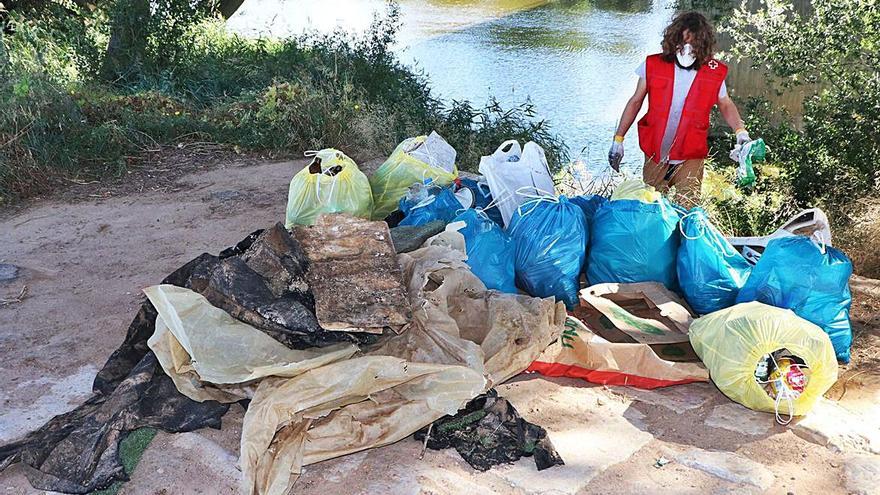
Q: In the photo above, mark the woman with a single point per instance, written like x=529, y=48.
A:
x=682, y=84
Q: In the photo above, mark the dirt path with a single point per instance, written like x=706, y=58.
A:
x=85, y=262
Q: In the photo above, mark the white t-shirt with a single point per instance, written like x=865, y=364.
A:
x=683, y=79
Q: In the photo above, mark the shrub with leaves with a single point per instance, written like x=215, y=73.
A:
x=833, y=50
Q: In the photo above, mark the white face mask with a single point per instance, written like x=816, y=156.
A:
x=685, y=56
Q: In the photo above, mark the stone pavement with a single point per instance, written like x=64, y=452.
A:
x=609, y=437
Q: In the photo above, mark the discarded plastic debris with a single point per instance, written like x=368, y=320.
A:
x=414, y=161
x=589, y=204
x=488, y=432
x=208, y=354
x=353, y=275
x=581, y=353
x=746, y=155
x=809, y=223
x=811, y=279
x=710, y=270
x=403, y=383
x=636, y=190
x=550, y=235
x=331, y=183
x=483, y=199
x=516, y=175
x=733, y=344
x=646, y=312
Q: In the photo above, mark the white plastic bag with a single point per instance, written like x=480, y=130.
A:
x=516, y=175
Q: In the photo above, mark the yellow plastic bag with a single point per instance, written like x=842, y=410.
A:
x=401, y=170
x=332, y=183
x=732, y=341
x=636, y=189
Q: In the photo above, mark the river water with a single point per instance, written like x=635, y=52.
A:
x=573, y=59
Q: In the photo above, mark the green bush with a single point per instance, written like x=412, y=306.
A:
x=71, y=108
x=832, y=50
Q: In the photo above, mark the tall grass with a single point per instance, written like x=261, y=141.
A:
x=60, y=118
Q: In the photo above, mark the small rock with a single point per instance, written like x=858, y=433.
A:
x=8, y=272
x=832, y=426
x=735, y=417
x=835, y=464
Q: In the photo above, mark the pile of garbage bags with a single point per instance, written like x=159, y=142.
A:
x=387, y=304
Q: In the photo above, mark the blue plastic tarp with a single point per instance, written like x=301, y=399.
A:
x=710, y=270
x=490, y=251
x=632, y=241
x=550, y=235
x=809, y=279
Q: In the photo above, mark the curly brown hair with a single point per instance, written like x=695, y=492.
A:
x=701, y=30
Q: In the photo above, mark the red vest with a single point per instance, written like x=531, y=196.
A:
x=691, y=137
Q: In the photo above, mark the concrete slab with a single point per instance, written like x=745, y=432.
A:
x=734, y=417
x=861, y=474
x=679, y=398
x=729, y=467
x=840, y=429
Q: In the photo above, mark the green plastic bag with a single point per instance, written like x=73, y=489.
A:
x=331, y=183
x=746, y=156
x=401, y=170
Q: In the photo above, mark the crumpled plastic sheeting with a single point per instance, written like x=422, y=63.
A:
x=463, y=340
x=343, y=408
x=196, y=342
x=457, y=321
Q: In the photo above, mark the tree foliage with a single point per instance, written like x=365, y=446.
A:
x=832, y=49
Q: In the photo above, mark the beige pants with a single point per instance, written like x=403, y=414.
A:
x=686, y=177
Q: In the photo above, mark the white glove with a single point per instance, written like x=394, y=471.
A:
x=742, y=136
x=615, y=155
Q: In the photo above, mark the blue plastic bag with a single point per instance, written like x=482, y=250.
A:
x=632, y=241
x=490, y=251
x=482, y=199
x=439, y=205
x=550, y=236
x=710, y=270
x=811, y=280
x=589, y=204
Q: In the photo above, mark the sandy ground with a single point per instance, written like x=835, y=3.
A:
x=86, y=256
